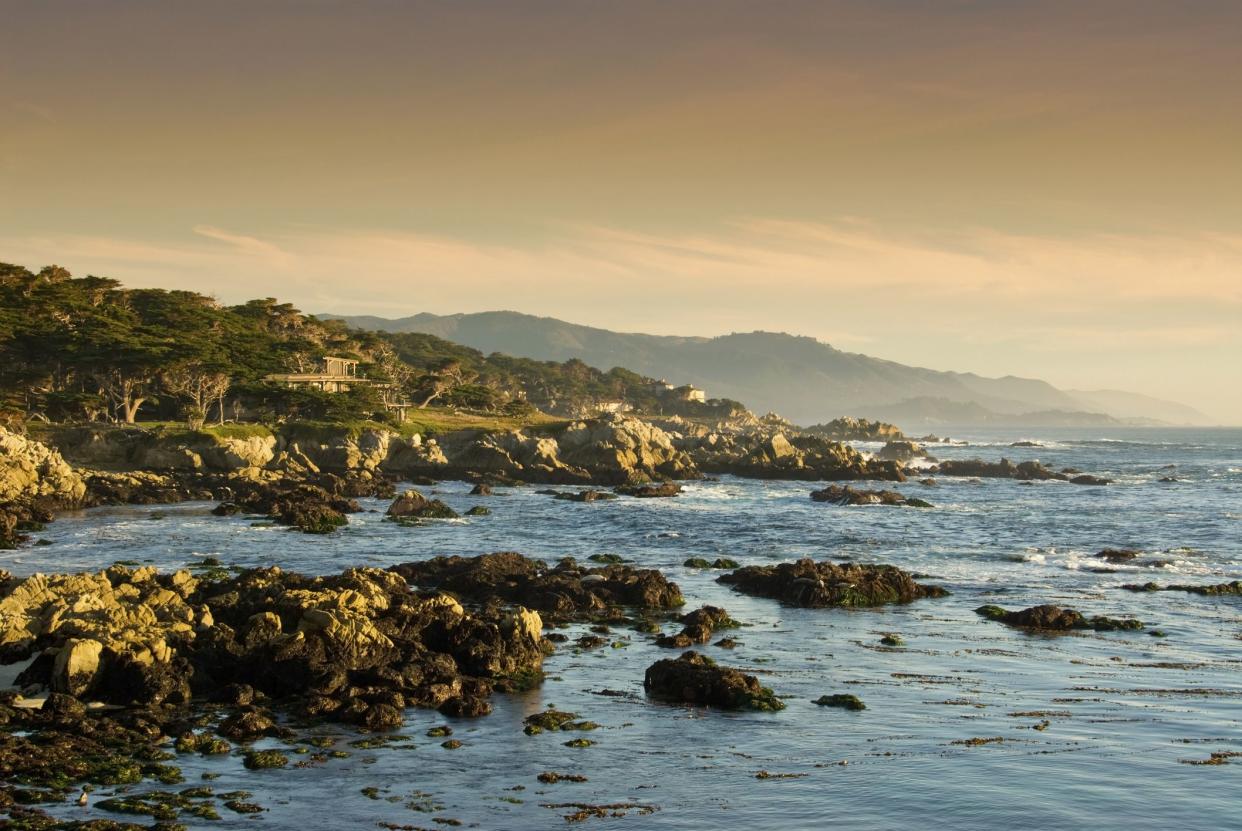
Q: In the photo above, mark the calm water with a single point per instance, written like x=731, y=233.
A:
x=1123, y=708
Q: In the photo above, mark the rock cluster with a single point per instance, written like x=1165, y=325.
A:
x=697, y=627
x=697, y=679
x=356, y=647
x=566, y=591
x=413, y=505
x=759, y=455
x=825, y=584
x=1056, y=619
x=1219, y=589
x=845, y=495
x=1005, y=469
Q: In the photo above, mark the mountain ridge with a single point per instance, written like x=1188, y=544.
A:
x=798, y=376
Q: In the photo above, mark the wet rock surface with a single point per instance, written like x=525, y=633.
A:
x=826, y=584
x=413, y=505
x=1056, y=619
x=1005, y=469
x=698, y=627
x=696, y=679
x=566, y=591
x=845, y=495
x=356, y=647
x=1216, y=590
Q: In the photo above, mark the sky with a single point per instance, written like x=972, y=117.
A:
x=1047, y=189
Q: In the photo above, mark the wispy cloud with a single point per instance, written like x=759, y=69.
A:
x=975, y=299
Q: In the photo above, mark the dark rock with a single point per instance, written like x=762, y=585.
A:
x=1087, y=479
x=413, y=505
x=1217, y=590
x=696, y=679
x=698, y=627
x=842, y=700
x=479, y=510
x=807, y=583
x=1118, y=555
x=567, y=591
x=481, y=489
x=846, y=495
x=664, y=489
x=1056, y=619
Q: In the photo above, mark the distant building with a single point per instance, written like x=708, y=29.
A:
x=689, y=392
x=613, y=406
x=334, y=375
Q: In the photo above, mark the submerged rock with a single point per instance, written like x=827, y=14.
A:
x=697, y=679
x=1217, y=590
x=838, y=495
x=825, y=584
x=1118, y=555
x=842, y=700
x=664, y=489
x=1005, y=469
x=1056, y=619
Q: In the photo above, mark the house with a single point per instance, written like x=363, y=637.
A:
x=337, y=375
x=334, y=375
x=689, y=392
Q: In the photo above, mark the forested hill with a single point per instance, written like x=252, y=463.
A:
x=89, y=349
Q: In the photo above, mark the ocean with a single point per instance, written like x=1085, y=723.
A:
x=970, y=724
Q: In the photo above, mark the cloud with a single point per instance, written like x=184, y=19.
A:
x=1158, y=310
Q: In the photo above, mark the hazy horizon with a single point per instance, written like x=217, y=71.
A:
x=1046, y=191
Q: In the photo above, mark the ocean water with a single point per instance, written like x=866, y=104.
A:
x=1120, y=713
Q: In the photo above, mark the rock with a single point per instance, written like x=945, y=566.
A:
x=857, y=429
x=698, y=627
x=31, y=470
x=76, y=668
x=579, y=496
x=1004, y=469
x=1218, y=590
x=1118, y=555
x=566, y=591
x=1086, y=479
x=262, y=759
x=842, y=700
x=663, y=489
x=825, y=584
x=1056, y=619
x=846, y=495
x=479, y=510
x=696, y=679
x=413, y=505
x=902, y=451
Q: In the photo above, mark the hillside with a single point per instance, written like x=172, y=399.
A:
x=803, y=379
x=89, y=349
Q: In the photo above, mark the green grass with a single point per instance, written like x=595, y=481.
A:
x=437, y=421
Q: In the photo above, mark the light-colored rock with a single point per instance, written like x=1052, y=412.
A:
x=76, y=667
x=30, y=469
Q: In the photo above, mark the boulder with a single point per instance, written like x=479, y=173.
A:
x=1056, y=619
x=697, y=679
x=825, y=584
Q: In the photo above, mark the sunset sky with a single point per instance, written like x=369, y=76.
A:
x=1044, y=189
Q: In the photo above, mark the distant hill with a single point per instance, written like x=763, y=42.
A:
x=801, y=378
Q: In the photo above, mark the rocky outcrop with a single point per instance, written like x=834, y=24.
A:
x=622, y=449
x=825, y=584
x=30, y=470
x=1056, y=619
x=1005, y=469
x=759, y=455
x=356, y=647
x=413, y=505
x=564, y=592
x=662, y=490
x=856, y=429
x=838, y=495
x=902, y=451
x=697, y=679
x=1217, y=590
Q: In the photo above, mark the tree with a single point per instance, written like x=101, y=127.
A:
x=445, y=377
x=126, y=388
x=198, y=386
